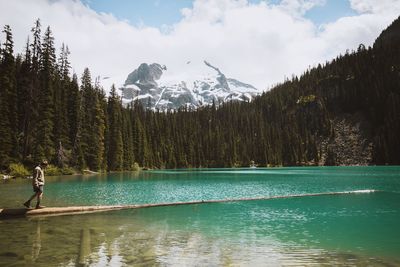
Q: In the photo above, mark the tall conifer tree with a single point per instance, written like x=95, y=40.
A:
x=115, y=143
x=8, y=112
x=45, y=146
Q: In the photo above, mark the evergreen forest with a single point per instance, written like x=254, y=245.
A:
x=342, y=112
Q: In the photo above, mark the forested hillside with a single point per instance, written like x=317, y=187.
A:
x=344, y=112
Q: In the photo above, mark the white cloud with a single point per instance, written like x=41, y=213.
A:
x=300, y=7
x=374, y=6
x=255, y=43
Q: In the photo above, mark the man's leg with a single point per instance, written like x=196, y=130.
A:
x=28, y=203
x=39, y=198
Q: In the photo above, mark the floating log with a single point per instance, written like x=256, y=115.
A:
x=53, y=211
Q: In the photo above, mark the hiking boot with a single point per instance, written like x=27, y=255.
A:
x=27, y=204
x=40, y=207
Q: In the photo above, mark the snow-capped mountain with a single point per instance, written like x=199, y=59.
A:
x=156, y=88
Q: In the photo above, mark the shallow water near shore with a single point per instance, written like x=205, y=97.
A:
x=351, y=229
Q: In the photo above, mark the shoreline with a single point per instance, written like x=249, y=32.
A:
x=7, y=176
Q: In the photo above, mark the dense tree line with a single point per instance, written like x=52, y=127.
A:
x=48, y=113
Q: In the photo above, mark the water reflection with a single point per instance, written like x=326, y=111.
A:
x=37, y=242
x=202, y=235
x=85, y=247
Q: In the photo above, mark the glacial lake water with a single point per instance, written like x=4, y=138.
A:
x=357, y=229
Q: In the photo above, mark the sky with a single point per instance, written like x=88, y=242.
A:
x=254, y=41
x=157, y=13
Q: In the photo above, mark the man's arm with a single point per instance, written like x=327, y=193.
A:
x=35, y=181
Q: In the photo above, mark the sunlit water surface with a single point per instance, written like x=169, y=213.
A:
x=351, y=229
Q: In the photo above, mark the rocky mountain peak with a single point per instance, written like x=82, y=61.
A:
x=147, y=85
x=146, y=75
x=221, y=77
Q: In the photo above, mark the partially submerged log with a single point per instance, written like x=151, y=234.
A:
x=52, y=211
x=60, y=210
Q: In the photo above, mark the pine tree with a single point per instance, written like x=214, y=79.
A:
x=96, y=143
x=45, y=146
x=73, y=109
x=115, y=142
x=8, y=112
x=76, y=131
x=85, y=129
x=61, y=87
x=25, y=102
x=93, y=123
x=127, y=140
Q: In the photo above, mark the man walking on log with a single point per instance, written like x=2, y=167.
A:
x=38, y=184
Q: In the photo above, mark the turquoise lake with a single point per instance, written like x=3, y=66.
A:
x=356, y=229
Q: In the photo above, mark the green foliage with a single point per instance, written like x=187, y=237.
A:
x=52, y=170
x=18, y=170
x=67, y=171
x=135, y=167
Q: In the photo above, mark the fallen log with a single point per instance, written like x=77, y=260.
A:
x=53, y=211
